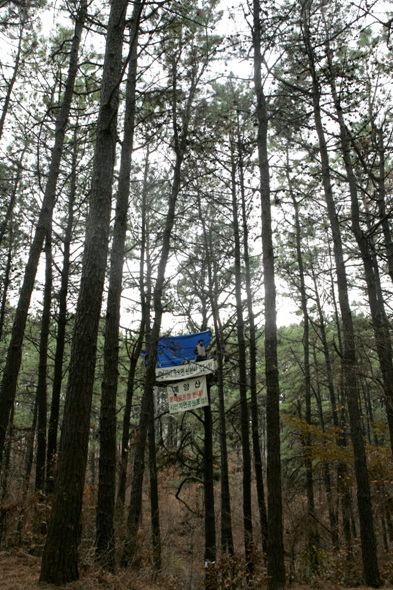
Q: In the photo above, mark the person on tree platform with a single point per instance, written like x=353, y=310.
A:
x=200, y=351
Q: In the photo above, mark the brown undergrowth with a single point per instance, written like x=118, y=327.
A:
x=20, y=571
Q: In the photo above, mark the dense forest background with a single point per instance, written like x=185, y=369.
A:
x=170, y=167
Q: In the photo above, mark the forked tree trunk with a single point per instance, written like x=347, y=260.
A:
x=105, y=533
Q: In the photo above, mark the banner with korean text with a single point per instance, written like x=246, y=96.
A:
x=181, y=372
x=187, y=395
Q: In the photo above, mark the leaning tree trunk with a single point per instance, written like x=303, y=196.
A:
x=374, y=291
x=368, y=541
x=6, y=280
x=11, y=83
x=15, y=189
x=384, y=218
x=14, y=354
x=60, y=559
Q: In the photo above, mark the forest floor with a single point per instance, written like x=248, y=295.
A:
x=20, y=571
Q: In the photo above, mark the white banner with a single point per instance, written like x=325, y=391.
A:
x=187, y=395
x=192, y=369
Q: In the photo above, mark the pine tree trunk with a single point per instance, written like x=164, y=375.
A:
x=14, y=354
x=105, y=534
x=244, y=414
x=275, y=544
x=374, y=291
x=154, y=503
x=369, y=550
x=6, y=283
x=384, y=218
x=210, y=524
x=18, y=56
x=180, y=146
x=144, y=283
x=253, y=367
x=125, y=440
x=42, y=369
x=60, y=558
x=212, y=273
x=61, y=330
x=313, y=536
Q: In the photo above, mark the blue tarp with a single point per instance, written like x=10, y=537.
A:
x=177, y=350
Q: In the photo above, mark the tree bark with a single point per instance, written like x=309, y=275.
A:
x=374, y=291
x=253, y=364
x=313, y=536
x=369, y=550
x=208, y=480
x=14, y=354
x=18, y=56
x=60, y=558
x=154, y=503
x=105, y=534
x=244, y=413
x=61, y=330
x=212, y=274
x=275, y=544
x=180, y=146
x=145, y=315
x=42, y=369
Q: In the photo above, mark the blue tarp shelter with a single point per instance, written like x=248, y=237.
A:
x=177, y=350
